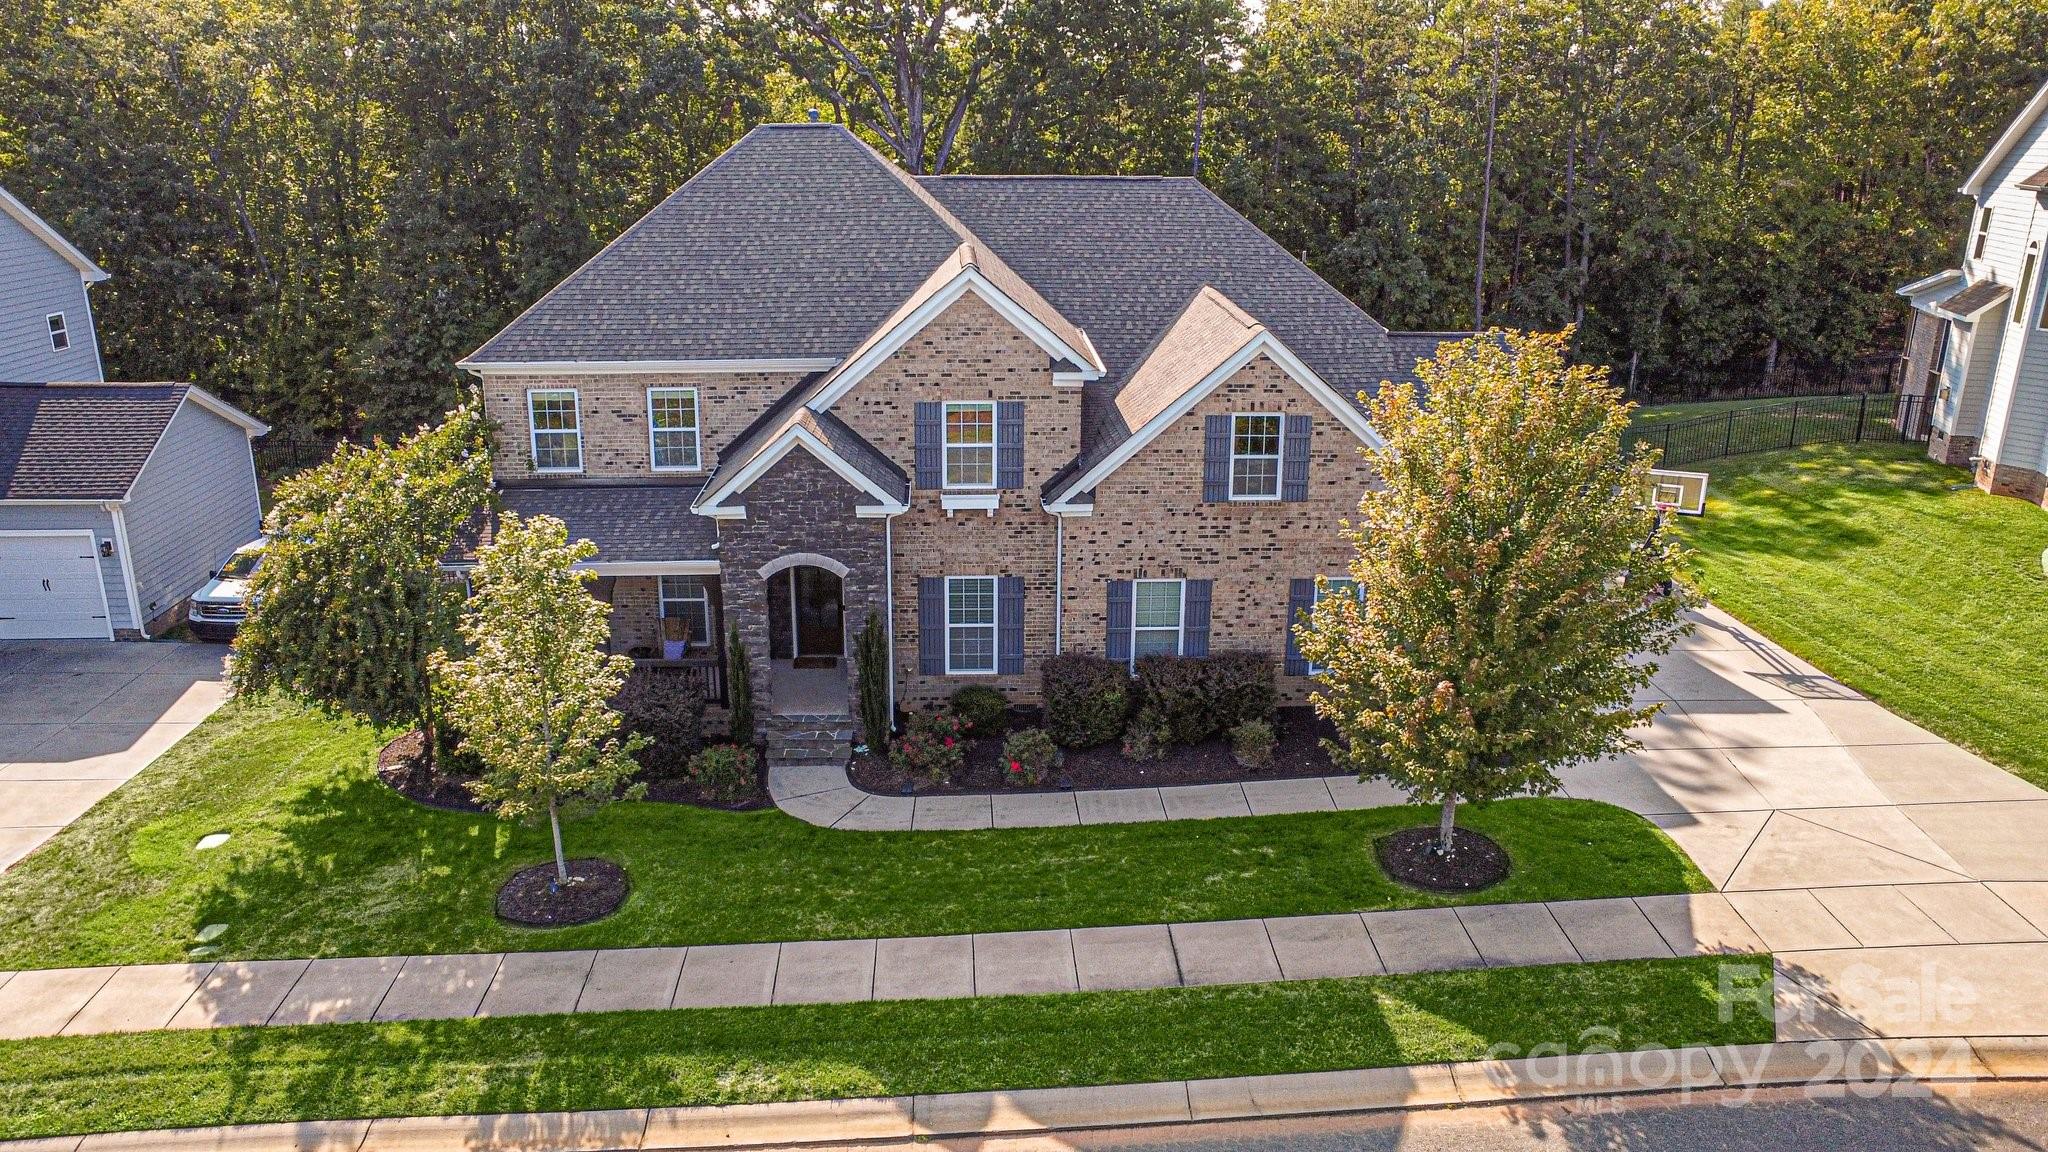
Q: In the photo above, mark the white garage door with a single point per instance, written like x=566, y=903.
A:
x=50, y=588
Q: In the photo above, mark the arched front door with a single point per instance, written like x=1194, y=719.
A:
x=806, y=616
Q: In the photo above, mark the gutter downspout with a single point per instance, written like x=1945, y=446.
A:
x=889, y=603
x=1059, y=583
x=113, y=508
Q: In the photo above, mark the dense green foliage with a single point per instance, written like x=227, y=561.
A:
x=1506, y=580
x=326, y=860
x=871, y=683
x=350, y=607
x=742, y=1055
x=1894, y=575
x=315, y=210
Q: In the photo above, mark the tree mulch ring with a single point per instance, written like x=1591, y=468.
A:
x=1410, y=856
x=1299, y=754
x=398, y=765
x=595, y=890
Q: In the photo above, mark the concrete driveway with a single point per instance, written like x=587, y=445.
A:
x=78, y=718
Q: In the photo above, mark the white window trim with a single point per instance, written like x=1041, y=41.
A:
x=1979, y=243
x=946, y=446
x=662, y=600
x=696, y=431
x=2031, y=274
x=1315, y=669
x=1180, y=624
x=533, y=432
x=1279, y=458
x=994, y=626
x=62, y=327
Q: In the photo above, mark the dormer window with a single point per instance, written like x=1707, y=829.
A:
x=60, y=336
x=971, y=445
x=1983, y=234
x=557, y=430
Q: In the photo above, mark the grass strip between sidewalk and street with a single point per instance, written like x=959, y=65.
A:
x=1894, y=575
x=325, y=860
x=740, y=1055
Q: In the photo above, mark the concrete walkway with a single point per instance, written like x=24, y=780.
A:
x=78, y=718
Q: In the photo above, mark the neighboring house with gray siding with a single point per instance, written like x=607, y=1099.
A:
x=116, y=503
x=1979, y=342
x=46, y=329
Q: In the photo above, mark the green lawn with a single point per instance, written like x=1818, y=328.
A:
x=1892, y=574
x=719, y=1056
x=326, y=861
x=1654, y=414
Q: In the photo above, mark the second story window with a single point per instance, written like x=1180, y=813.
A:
x=971, y=445
x=2023, y=299
x=672, y=429
x=1983, y=234
x=60, y=336
x=1255, y=456
x=557, y=433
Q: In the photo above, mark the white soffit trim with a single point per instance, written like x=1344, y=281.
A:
x=225, y=410
x=1929, y=284
x=796, y=435
x=969, y=279
x=1347, y=415
x=88, y=271
x=1975, y=185
x=799, y=364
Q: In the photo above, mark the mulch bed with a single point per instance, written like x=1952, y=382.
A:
x=1299, y=754
x=1410, y=856
x=397, y=760
x=595, y=890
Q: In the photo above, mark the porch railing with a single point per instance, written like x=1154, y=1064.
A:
x=705, y=673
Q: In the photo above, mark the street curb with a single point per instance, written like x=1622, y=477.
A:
x=1879, y=1065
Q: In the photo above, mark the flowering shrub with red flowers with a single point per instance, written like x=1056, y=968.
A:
x=933, y=744
x=1029, y=756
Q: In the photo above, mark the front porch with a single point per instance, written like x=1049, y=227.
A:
x=671, y=623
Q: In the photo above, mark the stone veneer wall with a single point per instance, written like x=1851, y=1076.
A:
x=800, y=505
x=613, y=413
x=1150, y=521
x=970, y=352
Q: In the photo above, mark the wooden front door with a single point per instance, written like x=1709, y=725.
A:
x=818, y=600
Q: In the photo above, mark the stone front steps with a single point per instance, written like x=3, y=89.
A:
x=813, y=739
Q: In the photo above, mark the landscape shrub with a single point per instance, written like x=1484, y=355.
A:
x=1242, y=686
x=871, y=672
x=739, y=689
x=727, y=772
x=1146, y=738
x=1252, y=744
x=1029, y=756
x=933, y=745
x=1178, y=691
x=1087, y=699
x=669, y=711
x=982, y=709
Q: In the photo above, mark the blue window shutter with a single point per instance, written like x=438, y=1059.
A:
x=1294, y=460
x=930, y=444
x=1301, y=597
x=1194, y=619
x=1117, y=644
x=1009, y=625
x=1215, y=459
x=931, y=625
x=1010, y=444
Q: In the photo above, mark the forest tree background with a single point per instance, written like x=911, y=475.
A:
x=315, y=207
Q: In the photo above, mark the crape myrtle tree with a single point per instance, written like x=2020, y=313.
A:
x=1507, y=570
x=533, y=694
x=350, y=604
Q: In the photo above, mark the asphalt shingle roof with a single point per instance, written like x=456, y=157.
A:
x=80, y=441
x=1976, y=298
x=629, y=523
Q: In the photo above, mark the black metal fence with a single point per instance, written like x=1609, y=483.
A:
x=1788, y=424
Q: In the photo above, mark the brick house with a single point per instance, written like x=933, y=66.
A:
x=1007, y=416
x=1977, y=345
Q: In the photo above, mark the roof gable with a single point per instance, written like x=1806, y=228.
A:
x=825, y=437
x=1981, y=175
x=80, y=441
x=90, y=272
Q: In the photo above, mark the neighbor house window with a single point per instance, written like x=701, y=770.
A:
x=1983, y=234
x=1156, y=617
x=1335, y=586
x=970, y=624
x=557, y=434
x=2024, y=296
x=60, y=336
x=971, y=446
x=688, y=599
x=672, y=429
x=1255, y=456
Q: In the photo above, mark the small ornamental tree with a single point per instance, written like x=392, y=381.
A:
x=533, y=696
x=1506, y=573
x=871, y=649
x=350, y=604
x=739, y=690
